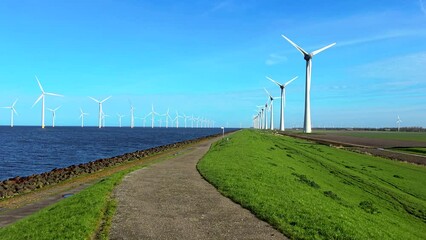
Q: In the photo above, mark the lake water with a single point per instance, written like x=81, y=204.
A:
x=28, y=150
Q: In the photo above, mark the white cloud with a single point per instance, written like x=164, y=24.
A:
x=275, y=58
x=407, y=68
x=383, y=36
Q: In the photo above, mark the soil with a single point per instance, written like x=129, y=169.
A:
x=376, y=147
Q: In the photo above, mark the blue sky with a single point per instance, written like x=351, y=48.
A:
x=210, y=59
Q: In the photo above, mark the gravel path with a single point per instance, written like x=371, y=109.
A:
x=170, y=200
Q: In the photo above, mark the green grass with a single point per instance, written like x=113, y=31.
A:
x=311, y=191
x=76, y=217
x=419, y=151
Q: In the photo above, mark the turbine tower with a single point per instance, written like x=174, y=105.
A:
x=132, y=117
x=399, y=121
x=177, y=119
x=53, y=114
x=42, y=96
x=82, y=117
x=152, y=113
x=100, y=109
x=308, y=57
x=282, y=87
x=271, y=108
x=12, y=112
x=121, y=116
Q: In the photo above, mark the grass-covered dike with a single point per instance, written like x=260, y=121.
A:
x=86, y=215
x=311, y=191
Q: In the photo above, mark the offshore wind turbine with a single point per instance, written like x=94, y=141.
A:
x=282, y=87
x=12, y=112
x=100, y=109
x=119, y=119
x=132, y=117
x=82, y=117
x=152, y=113
x=177, y=119
x=167, y=117
x=103, y=118
x=42, y=96
x=53, y=114
x=308, y=57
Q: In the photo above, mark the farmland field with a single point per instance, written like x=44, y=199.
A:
x=402, y=136
x=313, y=191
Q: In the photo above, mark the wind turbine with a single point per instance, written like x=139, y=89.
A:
x=120, y=117
x=399, y=121
x=42, y=96
x=82, y=117
x=177, y=119
x=103, y=118
x=152, y=113
x=12, y=112
x=132, y=117
x=167, y=117
x=100, y=108
x=185, y=117
x=53, y=114
x=308, y=57
x=282, y=87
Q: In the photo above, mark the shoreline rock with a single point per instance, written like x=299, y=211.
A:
x=18, y=185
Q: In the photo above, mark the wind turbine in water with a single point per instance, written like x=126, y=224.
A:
x=152, y=113
x=398, y=122
x=82, y=117
x=282, y=87
x=120, y=117
x=53, y=114
x=100, y=109
x=132, y=117
x=12, y=112
x=103, y=118
x=308, y=57
x=177, y=119
x=42, y=96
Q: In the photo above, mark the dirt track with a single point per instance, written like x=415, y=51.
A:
x=372, y=146
x=170, y=200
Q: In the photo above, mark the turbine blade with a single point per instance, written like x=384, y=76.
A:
x=287, y=83
x=279, y=84
x=38, y=99
x=13, y=105
x=94, y=99
x=295, y=45
x=39, y=84
x=267, y=92
x=57, y=108
x=106, y=99
x=15, y=111
x=54, y=94
x=322, y=49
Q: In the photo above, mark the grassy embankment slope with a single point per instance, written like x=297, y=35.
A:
x=77, y=217
x=311, y=191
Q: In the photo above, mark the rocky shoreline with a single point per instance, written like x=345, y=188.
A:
x=18, y=185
